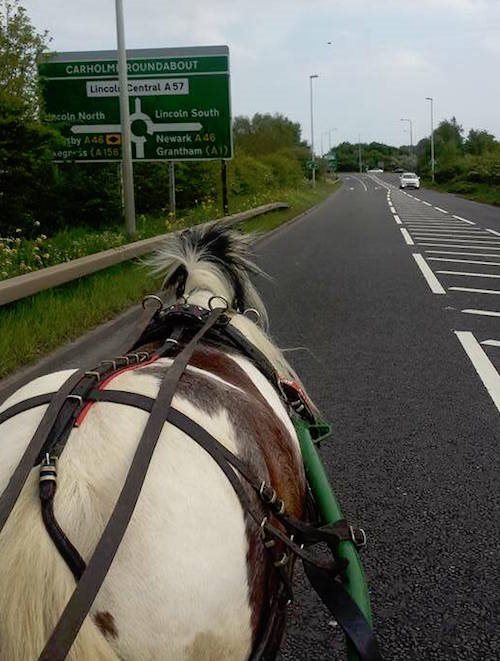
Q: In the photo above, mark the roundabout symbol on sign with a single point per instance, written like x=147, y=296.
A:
x=140, y=118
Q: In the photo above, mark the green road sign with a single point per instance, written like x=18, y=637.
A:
x=311, y=165
x=179, y=104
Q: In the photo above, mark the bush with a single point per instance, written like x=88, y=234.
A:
x=248, y=175
x=286, y=171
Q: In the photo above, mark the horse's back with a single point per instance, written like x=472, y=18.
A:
x=183, y=585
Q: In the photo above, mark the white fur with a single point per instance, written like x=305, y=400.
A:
x=178, y=587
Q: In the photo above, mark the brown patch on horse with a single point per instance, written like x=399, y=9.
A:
x=106, y=623
x=263, y=441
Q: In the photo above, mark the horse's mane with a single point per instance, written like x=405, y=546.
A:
x=213, y=256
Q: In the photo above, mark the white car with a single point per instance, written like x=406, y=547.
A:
x=409, y=180
x=375, y=170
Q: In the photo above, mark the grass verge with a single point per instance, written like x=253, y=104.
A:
x=471, y=191
x=32, y=327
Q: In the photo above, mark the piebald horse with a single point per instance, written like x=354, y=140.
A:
x=191, y=580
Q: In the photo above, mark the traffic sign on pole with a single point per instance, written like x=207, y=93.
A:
x=179, y=100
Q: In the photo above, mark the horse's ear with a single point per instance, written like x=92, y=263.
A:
x=178, y=279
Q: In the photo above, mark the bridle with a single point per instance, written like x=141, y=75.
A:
x=283, y=536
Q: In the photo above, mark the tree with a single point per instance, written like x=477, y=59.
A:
x=480, y=142
x=265, y=134
x=20, y=47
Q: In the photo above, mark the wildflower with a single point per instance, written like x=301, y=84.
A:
x=18, y=230
x=36, y=223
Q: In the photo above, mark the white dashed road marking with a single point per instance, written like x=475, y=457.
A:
x=475, y=291
x=439, y=209
x=406, y=236
x=493, y=232
x=397, y=219
x=461, y=261
x=470, y=275
x=428, y=274
x=482, y=364
x=464, y=220
x=485, y=313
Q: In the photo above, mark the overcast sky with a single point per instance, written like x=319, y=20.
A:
x=386, y=55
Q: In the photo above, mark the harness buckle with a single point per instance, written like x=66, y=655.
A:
x=358, y=537
x=266, y=499
x=77, y=398
x=282, y=561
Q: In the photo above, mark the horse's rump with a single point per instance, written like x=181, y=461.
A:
x=191, y=578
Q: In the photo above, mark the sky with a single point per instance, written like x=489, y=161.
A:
x=384, y=58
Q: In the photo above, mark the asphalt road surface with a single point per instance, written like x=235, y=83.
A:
x=390, y=310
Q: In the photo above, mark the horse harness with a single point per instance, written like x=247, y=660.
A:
x=283, y=536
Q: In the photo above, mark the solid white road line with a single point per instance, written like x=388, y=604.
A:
x=482, y=364
x=397, y=219
x=392, y=209
x=480, y=240
x=428, y=204
x=493, y=232
x=442, y=210
x=464, y=220
x=469, y=254
x=361, y=182
x=461, y=261
x=435, y=234
x=491, y=343
x=449, y=245
x=406, y=236
x=486, y=313
x=475, y=291
x=428, y=274
x=471, y=275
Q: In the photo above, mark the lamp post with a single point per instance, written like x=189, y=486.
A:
x=330, y=138
x=404, y=119
x=430, y=98
x=312, y=128
x=359, y=153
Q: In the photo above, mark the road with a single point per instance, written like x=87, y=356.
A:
x=392, y=348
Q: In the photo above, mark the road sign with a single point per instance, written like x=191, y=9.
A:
x=311, y=165
x=179, y=104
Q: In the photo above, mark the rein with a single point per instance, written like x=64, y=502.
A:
x=278, y=529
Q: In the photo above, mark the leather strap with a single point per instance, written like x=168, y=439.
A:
x=20, y=475
x=25, y=405
x=86, y=591
x=345, y=611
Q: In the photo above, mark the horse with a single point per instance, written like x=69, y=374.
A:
x=192, y=579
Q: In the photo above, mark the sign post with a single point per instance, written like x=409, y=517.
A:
x=179, y=102
x=127, y=169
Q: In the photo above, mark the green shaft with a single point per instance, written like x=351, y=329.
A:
x=330, y=512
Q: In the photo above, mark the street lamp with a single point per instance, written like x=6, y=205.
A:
x=330, y=139
x=404, y=119
x=429, y=98
x=312, y=129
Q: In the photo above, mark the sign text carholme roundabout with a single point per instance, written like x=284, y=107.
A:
x=179, y=103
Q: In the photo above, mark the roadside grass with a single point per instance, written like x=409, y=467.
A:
x=35, y=326
x=476, y=192
x=19, y=255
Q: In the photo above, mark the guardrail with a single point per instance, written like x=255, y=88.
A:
x=28, y=284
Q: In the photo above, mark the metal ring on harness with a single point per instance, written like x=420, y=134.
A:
x=152, y=297
x=220, y=298
x=248, y=314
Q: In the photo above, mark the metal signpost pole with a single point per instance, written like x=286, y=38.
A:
x=223, y=172
x=359, y=153
x=171, y=187
x=313, y=179
x=429, y=98
x=128, y=174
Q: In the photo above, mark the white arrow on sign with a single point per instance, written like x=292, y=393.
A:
x=139, y=140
